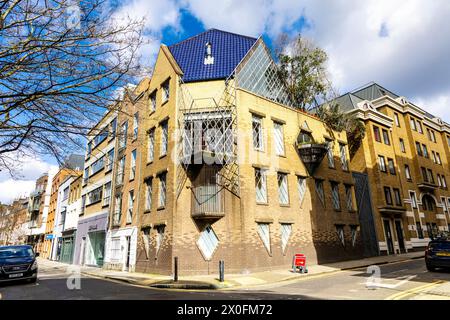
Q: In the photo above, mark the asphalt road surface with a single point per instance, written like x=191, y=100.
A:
x=405, y=280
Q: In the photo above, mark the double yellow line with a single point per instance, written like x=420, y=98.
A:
x=406, y=293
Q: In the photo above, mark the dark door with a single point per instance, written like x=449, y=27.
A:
x=365, y=213
x=388, y=235
x=128, y=251
x=401, y=240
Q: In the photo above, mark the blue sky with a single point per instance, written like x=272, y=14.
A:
x=403, y=45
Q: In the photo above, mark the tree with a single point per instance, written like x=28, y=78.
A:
x=61, y=65
x=302, y=67
x=333, y=116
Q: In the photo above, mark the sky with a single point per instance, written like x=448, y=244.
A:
x=401, y=44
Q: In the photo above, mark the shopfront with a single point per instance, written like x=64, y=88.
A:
x=90, y=240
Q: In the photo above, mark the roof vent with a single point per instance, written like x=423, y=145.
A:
x=209, y=59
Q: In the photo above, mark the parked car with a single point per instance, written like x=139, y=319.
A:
x=18, y=263
x=437, y=254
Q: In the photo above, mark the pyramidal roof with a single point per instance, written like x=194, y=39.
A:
x=227, y=50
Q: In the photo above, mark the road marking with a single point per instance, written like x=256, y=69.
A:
x=404, y=294
x=404, y=279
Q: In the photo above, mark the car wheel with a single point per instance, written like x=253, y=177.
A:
x=430, y=268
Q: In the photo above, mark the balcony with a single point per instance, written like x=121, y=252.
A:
x=207, y=195
x=312, y=155
x=207, y=138
x=427, y=186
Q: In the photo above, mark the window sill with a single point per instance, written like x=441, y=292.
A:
x=161, y=208
x=285, y=205
x=146, y=211
x=108, y=171
x=105, y=206
x=91, y=204
x=149, y=163
x=131, y=179
x=163, y=155
x=262, y=203
x=352, y=211
x=165, y=102
x=337, y=210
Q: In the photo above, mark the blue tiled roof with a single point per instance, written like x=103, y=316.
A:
x=228, y=49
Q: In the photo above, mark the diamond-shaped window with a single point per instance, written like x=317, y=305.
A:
x=208, y=242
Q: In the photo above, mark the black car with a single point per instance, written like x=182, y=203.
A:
x=18, y=263
x=437, y=254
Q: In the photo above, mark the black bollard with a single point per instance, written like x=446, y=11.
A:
x=175, y=272
x=221, y=271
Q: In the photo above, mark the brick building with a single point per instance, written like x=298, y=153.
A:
x=231, y=171
x=405, y=155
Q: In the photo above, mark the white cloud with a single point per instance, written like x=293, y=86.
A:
x=13, y=189
x=403, y=45
x=26, y=171
x=252, y=17
x=156, y=16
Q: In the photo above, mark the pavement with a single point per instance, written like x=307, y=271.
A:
x=234, y=281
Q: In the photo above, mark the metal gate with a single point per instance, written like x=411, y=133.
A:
x=365, y=212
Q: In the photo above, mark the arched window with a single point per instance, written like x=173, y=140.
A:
x=428, y=203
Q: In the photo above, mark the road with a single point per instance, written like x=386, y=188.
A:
x=406, y=280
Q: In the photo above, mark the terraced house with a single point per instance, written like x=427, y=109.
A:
x=38, y=209
x=122, y=235
x=96, y=192
x=405, y=155
x=231, y=170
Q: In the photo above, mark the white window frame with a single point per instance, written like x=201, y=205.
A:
x=162, y=190
x=330, y=154
x=208, y=242
x=278, y=135
x=382, y=163
x=301, y=186
x=261, y=192
x=160, y=232
x=106, y=194
x=151, y=145
x=164, y=138
x=117, y=209
x=257, y=136
x=135, y=125
x=264, y=234
x=152, y=101
x=408, y=172
x=335, y=195
x=148, y=194
x=343, y=153
x=130, y=206
x=283, y=188
x=320, y=191
x=133, y=164
x=165, y=92
x=402, y=145
x=349, y=197
x=341, y=234
x=285, y=232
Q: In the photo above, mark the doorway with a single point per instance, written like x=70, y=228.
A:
x=388, y=236
x=400, y=238
x=127, y=262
